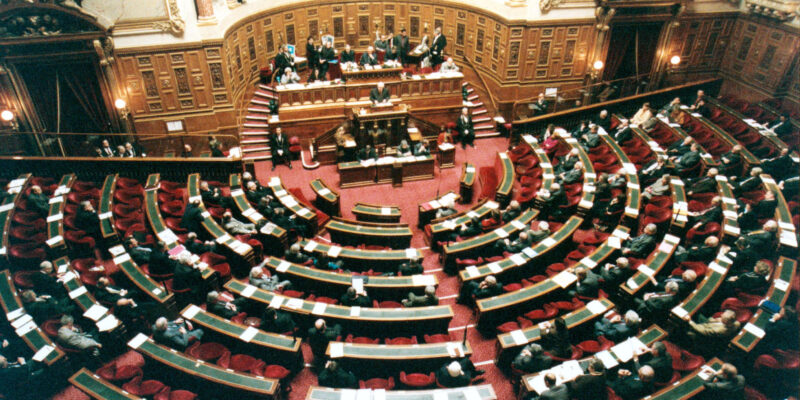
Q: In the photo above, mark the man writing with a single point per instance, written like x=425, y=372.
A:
x=369, y=58
x=379, y=95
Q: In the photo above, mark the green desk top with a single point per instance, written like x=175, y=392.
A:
x=376, y=210
x=247, y=211
x=5, y=215
x=730, y=222
x=687, y=387
x=488, y=238
x=708, y=161
x=573, y=319
x=783, y=275
x=104, y=209
x=220, y=235
x=99, y=388
x=507, y=175
x=648, y=336
x=715, y=275
x=786, y=228
x=589, y=176
x=398, y=352
x=289, y=201
x=468, y=175
x=345, y=280
x=359, y=254
x=324, y=191
x=144, y=282
x=749, y=157
x=679, y=202
x=633, y=191
x=776, y=141
x=342, y=312
x=548, y=175
x=235, y=331
x=203, y=370
x=355, y=228
x=84, y=300
x=32, y=335
x=479, y=210
x=55, y=229
x=655, y=262
x=483, y=392
x=523, y=258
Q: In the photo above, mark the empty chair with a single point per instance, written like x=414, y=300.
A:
x=175, y=395
x=417, y=380
x=377, y=383
x=209, y=351
x=137, y=387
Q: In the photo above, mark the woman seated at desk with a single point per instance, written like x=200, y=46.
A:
x=404, y=150
x=288, y=77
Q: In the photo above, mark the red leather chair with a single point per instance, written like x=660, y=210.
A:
x=27, y=253
x=114, y=373
x=377, y=383
x=401, y=340
x=275, y=371
x=175, y=225
x=175, y=395
x=589, y=237
x=322, y=299
x=137, y=387
x=209, y=351
x=683, y=360
x=438, y=338
x=547, y=312
x=518, y=152
x=387, y=304
x=294, y=147
x=172, y=208
x=595, y=346
x=576, y=354
x=22, y=279
x=361, y=339
x=417, y=380
x=245, y=363
x=25, y=234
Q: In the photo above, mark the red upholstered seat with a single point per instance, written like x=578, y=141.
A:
x=175, y=395
x=22, y=279
x=545, y=313
x=50, y=327
x=377, y=383
x=361, y=339
x=138, y=387
x=402, y=340
x=683, y=360
x=576, y=354
x=595, y=346
x=209, y=351
x=438, y=338
x=246, y=363
x=112, y=372
x=274, y=371
x=417, y=380
x=387, y=304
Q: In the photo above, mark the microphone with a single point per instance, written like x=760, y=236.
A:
x=464, y=341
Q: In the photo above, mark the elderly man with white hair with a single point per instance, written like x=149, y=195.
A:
x=447, y=209
x=177, y=334
x=369, y=58
x=289, y=76
x=320, y=335
x=449, y=66
x=427, y=299
x=513, y=210
x=472, y=290
x=457, y=373
x=617, y=328
x=379, y=94
x=641, y=246
x=73, y=337
x=260, y=279
x=465, y=129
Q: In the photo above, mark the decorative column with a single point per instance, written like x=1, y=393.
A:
x=205, y=12
x=661, y=64
x=603, y=16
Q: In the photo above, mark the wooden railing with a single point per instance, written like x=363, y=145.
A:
x=483, y=82
x=569, y=119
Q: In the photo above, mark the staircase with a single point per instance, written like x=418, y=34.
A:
x=484, y=124
x=255, y=129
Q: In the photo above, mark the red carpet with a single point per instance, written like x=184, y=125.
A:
x=408, y=197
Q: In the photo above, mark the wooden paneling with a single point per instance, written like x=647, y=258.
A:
x=701, y=42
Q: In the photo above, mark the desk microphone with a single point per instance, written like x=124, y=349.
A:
x=464, y=342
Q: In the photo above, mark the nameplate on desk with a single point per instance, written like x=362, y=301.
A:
x=564, y=279
x=325, y=191
x=310, y=246
x=137, y=341
x=423, y=280
x=276, y=302
x=472, y=271
x=355, y=311
x=283, y=266
x=517, y=259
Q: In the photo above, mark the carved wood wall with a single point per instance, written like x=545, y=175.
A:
x=701, y=42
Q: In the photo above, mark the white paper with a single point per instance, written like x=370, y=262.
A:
x=304, y=212
x=665, y=247
x=137, y=341
x=471, y=393
x=518, y=225
x=758, y=332
x=42, y=353
x=122, y=258
x=15, y=314
x=614, y=242
x=623, y=351
x=423, y=280
x=52, y=218
x=780, y=284
x=472, y=271
x=564, y=279
x=108, y=323
x=495, y=268
x=248, y=334
x=679, y=311
x=190, y=312
x=632, y=284
x=319, y=308
x=95, y=312
x=77, y=292
x=26, y=318
x=596, y=307
x=276, y=302
x=607, y=358
x=788, y=239
x=646, y=270
x=364, y=394
x=517, y=259
x=501, y=232
x=283, y=266
x=733, y=230
x=334, y=251
x=411, y=253
x=310, y=246
x=717, y=268
x=54, y=240
x=470, y=169
x=16, y=182
x=56, y=199
x=548, y=242
x=355, y=311
x=519, y=337
x=248, y=291
x=530, y=252
x=324, y=192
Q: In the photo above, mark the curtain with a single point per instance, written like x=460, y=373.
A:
x=648, y=42
x=622, y=38
x=83, y=83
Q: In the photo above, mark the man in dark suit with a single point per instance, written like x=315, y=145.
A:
x=222, y=308
x=603, y=120
x=553, y=392
x=661, y=362
x=283, y=60
x=653, y=169
x=704, y=184
x=175, y=334
x=632, y=387
x=366, y=153
x=780, y=167
x=757, y=243
x=353, y=298
x=640, y=246
x=46, y=283
x=473, y=290
x=540, y=106
x=279, y=148
x=107, y=150
x=726, y=384
x=782, y=126
x=657, y=303
x=457, y=373
x=437, y=47
x=192, y=216
x=587, y=284
x=348, y=55
x=465, y=128
x=335, y=377
x=566, y=162
x=87, y=220
x=402, y=45
x=319, y=336
x=38, y=201
x=749, y=184
x=591, y=139
x=277, y=321
x=731, y=161
x=369, y=58
x=590, y=386
x=616, y=328
x=532, y=359
x=623, y=132
x=689, y=159
x=379, y=94
x=575, y=175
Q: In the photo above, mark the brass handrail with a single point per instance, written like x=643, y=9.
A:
x=483, y=82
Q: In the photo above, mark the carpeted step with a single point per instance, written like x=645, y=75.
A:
x=473, y=97
x=482, y=118
x=255, y=132
x=266, y=88
x=259, y=117
x=483, y=127
x=258, y=109
x=256, y=157
x=477, y=104
x=254, y=149
x=249, y=142
x=255, y=124
x=259, y=101
x=486, y=134
x=479, y=111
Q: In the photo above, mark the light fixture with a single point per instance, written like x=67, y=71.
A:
x=598, y=65
x=120, y=104
x=675, y=60
x=7, y=115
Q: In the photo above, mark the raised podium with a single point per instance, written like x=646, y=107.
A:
x=380, y=125
x=373, y=75
x=447, y=155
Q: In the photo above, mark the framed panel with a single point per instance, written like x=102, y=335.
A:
x=313, y=27
x=251, y=48
x=290, y=39
x=569, y=52
x=496, y=48
x=544, y=52
x=460, y=32
x=338, y=27
x=388, y=23
x=744, y=48
x=270, y=41
x=150, y=86
x=513, y=52
x=183, y=81
x=766, y=60
x=238, y=55
x=363, y=25
x=479, y=41
x=712, y=42
x=414, y=26
x=217, y=79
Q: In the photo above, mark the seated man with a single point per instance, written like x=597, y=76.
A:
x=379, y=94
x=320, y=335
x=539, y=107
x=731, y=161
x=623, y=133
x=222, y=308
x=552, y=199
x=421, y=148
x=161, y=262
x=687, y=160
x=603, y=120
x=660, y=361
x=279, y=149
x=44, y=307
x=404, y=150
x=457, y=373
x=347, y=56
x=726, y=384
x=192, y=218
x=213, y=196
x=614, y=274
x=369, y=58
x=749, y=184
x=532, y=359
x=140, y=254
x=334, y=377
x=449, y=66
x=567, y=162
x=196, y=246
x=48, y=283
x=366, y=153
x=515, y=246
x=277, y=321
x=279, y=218
x=73, y=337
x=753, y=282
x=575, y=175
x=591, y=139
x=294, y=255
x=754, y=245
x=630, y=387
x=289, y=76
x=587, y=285
x=175, y=334
x=261, y=280
x=642, y=245
x=592, y=385
x=711, y=214
x=554, y=391
x=87, y=220
x=187, y=275
x=513, y=210
x=657, y=303
x=354, y=298
x=748, y=220
x=428, y=299
x=236, y=227
x=616, y=328
x=473, y=290
x=654, y=169
x=412, y=267
x=465, y=128
x=643, y=114
x=660, y=187
x=541, y=233
x=125, y=307
x=38, y=201
x=687, y=282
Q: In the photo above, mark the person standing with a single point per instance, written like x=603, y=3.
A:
x=437, y=47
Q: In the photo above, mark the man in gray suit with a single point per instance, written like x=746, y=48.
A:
x=176, y=334
x=71, y=336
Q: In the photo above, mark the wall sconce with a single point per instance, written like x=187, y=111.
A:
x=122, y=107
x=675, y=60
x=597, y=66
x=8, y=119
